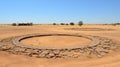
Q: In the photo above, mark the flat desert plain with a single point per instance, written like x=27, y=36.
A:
x=12, y=60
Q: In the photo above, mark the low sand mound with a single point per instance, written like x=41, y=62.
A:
x=57, y=41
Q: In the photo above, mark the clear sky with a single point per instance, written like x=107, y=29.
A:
x=58, y=11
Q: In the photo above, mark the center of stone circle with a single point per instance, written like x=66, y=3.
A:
x=56, y=41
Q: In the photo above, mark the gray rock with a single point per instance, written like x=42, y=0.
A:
x=56, y=51
x=50, y=55
x=99, y=56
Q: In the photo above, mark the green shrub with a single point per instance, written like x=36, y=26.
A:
x=62, y=23
x=14, y=24
x=66, y=24
x=54, y=24
x=72, y=23
x=80, y=23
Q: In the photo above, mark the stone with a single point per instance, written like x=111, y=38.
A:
x=75, y=56
x=102, y=53
x=56, y=52
x=107, y=40
x=113, y=47
x=45, y=52
x=19, y=49
x=99, y=56
x=28, y=50
x=41, y=55
x=5, y=48
x=106, y=47
x=33, y=55
x=99, y=48
x=50, y=55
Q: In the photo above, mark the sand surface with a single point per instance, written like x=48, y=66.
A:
x=10, y=60
x=57, y=41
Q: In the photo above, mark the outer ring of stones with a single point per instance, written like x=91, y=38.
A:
x=16, y=41
x=98, y=48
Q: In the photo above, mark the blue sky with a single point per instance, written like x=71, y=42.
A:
x=58, y=11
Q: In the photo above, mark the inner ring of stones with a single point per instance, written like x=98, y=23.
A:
x=16, y=41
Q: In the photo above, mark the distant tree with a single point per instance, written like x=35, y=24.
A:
x=117, y=23
x=62, y=23
x=14, y=24
x=54, y=24
x=22, y=24
x=31, y=23
x=80, y=23
x=114, y=24
x=72, y=23
x=66, y=24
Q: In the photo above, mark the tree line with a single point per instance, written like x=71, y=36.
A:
x=22, y=24
x=80, y=23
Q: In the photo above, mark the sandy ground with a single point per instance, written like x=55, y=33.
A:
x=10, y=60
x=57, y=41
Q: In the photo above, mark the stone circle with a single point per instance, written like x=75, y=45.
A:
x=99, y=47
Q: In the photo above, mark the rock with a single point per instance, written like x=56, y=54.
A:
x=36, y=51
x=75, y=56
x=41, y=55
x=0, y=40
x=77, y=50
x=33, y=55
x=45, y=52
x=28, y=50
x=63, y=53
x=113, y=47
x=4, y=48
x=56, y=52
x=107, y=40
x=99, y=56
x=19, y=49
x=106, y=47
x=100, y=49
x=50, y=55
x=102, y=53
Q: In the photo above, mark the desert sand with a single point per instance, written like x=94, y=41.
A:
x=57, y=41
x=11, y=60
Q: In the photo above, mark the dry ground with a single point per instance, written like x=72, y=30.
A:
x=10, y=60
x=57, y=41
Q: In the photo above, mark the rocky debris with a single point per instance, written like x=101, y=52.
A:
x=0, y=40
x=51, y=55
x=99, y=48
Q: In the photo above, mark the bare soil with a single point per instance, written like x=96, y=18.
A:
x=10, y=60
x=57, y=41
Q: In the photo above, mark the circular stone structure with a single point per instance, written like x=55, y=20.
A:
x=18, y=40
x=57, y=41
x=99, y=47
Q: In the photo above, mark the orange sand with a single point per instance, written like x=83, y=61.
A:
x=57, y=41
x=10, y=60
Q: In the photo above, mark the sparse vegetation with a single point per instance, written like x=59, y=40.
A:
x=22, y=24
x=66, y=24
x=62, y=23
x=114, y=24
x=14, y=24
x=54, y=24
x=72, y=23
x=80, y=23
